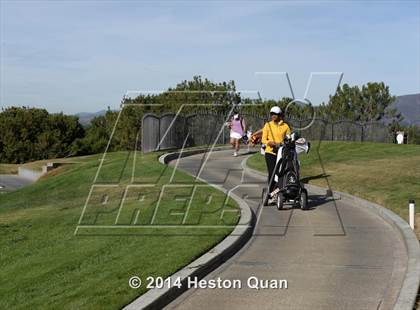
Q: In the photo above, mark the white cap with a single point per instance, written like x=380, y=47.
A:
x=275, y=109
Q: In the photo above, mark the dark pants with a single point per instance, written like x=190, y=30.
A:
x=270, y=160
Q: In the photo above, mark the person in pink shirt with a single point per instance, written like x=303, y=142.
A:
x=237, y=131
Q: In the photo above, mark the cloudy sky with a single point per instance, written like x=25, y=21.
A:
x=82, y=56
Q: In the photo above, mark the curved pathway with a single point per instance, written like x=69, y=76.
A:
x=333, y=256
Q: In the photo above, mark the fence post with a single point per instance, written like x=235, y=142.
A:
x=411, y=213
x=159, y=135
x=224, y=141
x=361, y=138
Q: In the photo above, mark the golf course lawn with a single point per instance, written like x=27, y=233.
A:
x=45, y=265
x=387, y=174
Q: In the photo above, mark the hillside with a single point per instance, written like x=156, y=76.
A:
x=86, y=117
x=409, y=106
x=46, y=266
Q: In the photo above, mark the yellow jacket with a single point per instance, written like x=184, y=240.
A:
x=274, y=132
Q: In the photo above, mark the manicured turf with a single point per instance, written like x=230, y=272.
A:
x=45, y=266
x=387, y=174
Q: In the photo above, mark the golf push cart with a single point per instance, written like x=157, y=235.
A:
x=288, y=188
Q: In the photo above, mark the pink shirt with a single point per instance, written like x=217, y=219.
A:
x=236, y=126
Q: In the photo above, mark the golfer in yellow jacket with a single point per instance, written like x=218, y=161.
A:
x=273, y=136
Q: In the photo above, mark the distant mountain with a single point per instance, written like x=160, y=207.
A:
x=86, y=117
x=409, y=106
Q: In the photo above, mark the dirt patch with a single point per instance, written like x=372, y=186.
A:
x=9, y=168
x=57, y=170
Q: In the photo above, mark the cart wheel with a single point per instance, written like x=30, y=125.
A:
x=264, y=197
x=280, y=201
x=304, y=200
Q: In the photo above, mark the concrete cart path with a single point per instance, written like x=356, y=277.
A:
x=334, y=256
x=11, y=182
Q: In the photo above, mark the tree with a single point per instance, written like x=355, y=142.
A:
x=370, y=103
x=97, y=135
x=30, y=134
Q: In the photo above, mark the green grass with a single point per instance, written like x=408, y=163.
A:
x=387, y=174
x=45, y=266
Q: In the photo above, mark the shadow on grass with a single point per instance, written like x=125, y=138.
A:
x=305, y=180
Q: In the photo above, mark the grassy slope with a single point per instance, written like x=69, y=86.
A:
x=388, y=174
x=44, y=265
x=8, y=169
x=37, y=165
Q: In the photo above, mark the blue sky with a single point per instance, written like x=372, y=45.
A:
x=77, y=56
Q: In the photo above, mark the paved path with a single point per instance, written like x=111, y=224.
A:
x=357, y=262
x=10, y=182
